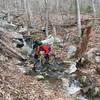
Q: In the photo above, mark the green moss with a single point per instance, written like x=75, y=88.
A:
x=36, y=36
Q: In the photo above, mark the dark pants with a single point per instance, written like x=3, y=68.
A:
x=47, y=58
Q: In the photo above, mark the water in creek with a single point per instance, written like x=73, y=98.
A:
x=60, y=77
x=57, y=74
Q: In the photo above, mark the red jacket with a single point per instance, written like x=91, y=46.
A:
x=46, y=48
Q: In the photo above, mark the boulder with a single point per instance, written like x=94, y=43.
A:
x=71, y=51
x=15, y=35
x=71, y=69
x=51, y=39
x=74, y=87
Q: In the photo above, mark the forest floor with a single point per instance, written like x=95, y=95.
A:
x=14, y=85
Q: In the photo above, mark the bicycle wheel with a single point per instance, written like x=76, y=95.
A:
x=38, y=67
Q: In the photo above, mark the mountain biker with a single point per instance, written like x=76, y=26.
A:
x=44, y=51
x=40, y=50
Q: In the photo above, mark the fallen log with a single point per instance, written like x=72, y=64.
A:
x=18, y=55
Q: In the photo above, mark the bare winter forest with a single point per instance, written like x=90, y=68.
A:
x=49, y=49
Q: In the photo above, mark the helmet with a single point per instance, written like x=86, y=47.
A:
x=36, y=44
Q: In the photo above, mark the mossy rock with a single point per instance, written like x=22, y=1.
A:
x=40, y=77
x=93, y=92
x=84, y=81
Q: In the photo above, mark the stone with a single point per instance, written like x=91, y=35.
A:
x=71, y=51
x=84, y=81
x=97, y=59
x=74, y=87
x=51, y=39
x=81, y=98
x=40, y=77
x=93, y=92
x=96, y=91
x=72, y=68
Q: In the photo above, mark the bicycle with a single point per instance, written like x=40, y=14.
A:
x=41, y=65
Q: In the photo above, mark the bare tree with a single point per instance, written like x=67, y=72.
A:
x=28, y=13
x=46, y=16
x=94, y=11
x=78, y=17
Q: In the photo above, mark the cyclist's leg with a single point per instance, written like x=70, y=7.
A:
x=36, y=60
x=38, y=66
x=46, y=59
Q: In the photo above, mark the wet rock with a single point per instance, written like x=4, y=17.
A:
x=81, y=98
x=71, y=51
x=71, y=69
x=55, y=75
x=56, y=67
x=74, y=87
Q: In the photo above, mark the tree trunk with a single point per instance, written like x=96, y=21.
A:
x=78, y=17
x=25, y=7
x=30, y=16
x=94, y=12
x=46, y=17
x=82, y=47
x=28, y=13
